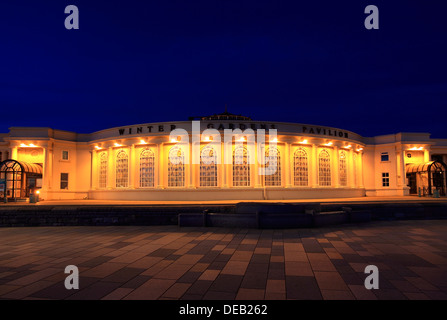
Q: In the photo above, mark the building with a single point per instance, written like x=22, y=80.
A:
x=135, y=162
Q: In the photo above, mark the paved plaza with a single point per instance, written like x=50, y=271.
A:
x=172, y=263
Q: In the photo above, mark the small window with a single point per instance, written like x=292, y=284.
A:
x=408, y=155
x=384, y=156
x=64, y=155
x=385, y=179
x=64, y=181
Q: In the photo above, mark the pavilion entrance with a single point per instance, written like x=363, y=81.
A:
x=20, y=179
x=427, y=178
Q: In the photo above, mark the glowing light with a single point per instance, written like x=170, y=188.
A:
x=242, y=139
x=330, y=143
x=38, y=192
x=98, y=148
x=117, y=144
x=304, y=141
x=347, y=147
x=208, y=138
x=416, y=148
x=31, y=145
x=274, y=140
x=359, y=149
x=173, y=140
x=142, y=141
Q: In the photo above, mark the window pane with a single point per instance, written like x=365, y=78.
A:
x=122, y=170
x=300, y=168
x=208, y=167
x=176, y=168
x=103, y=163
x=147, y=169
x=273, y=167
x=241, y=167
x=324, y=168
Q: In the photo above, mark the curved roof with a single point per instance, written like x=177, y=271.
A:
x=14, y=165
x=226, y=116
x=425, y=167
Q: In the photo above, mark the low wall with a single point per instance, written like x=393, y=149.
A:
x=241, y=215
x=198, y=194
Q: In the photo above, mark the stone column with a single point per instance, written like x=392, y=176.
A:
x=190, y=168
x=132, y=167
x=228, y=163
x=14, y=153
x=160, y=166
x=350, y=167
x=335, y=168
x=360, y=169
x=400, y=167
x=111, y=183
x=94, y=185
x=426, y=154
x=313, y=163
x=287, y=165
x=257, y=166
x=49, y=165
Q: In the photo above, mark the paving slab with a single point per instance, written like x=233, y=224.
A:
x=189, y=263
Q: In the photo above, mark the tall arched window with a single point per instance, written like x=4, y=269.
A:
x=147, y=168
x=324, y=168
x=354, y=168
x=241, y=167
x=342, y=169
x=102, y=169
x=122, y=169
x=208, y=167
x=300, y=168
x=176, y=167
x=272, y=167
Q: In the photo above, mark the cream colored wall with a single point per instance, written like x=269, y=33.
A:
x=416, y=156
x=30, y=155
x=385, y=166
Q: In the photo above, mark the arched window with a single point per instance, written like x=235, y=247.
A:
x=208, y=167
x=147, y=168
x=342, y=169
x=354, y=168
x=102, y=168
x=324, y=168
x=122, y=169
x=241, y=167
x=176, y=167
x=300, y=168
x=272, y=172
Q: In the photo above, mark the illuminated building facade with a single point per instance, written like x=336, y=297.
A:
x=173, y=161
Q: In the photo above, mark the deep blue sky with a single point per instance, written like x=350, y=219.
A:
x=146, y=61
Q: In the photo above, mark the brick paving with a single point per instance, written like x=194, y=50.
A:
x=171, y=263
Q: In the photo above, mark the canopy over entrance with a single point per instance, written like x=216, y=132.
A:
x=20, y=178
x=427, y=176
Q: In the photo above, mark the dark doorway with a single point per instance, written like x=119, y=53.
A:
x=412, y=183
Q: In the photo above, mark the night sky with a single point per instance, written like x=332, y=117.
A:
x=309, y=62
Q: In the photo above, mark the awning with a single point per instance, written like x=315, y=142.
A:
x=430, y=166
x=14, y=165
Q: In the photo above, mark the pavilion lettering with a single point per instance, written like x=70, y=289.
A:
x=171, y=127
x=325, y=132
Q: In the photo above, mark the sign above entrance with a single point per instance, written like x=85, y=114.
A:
x=281, y=127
